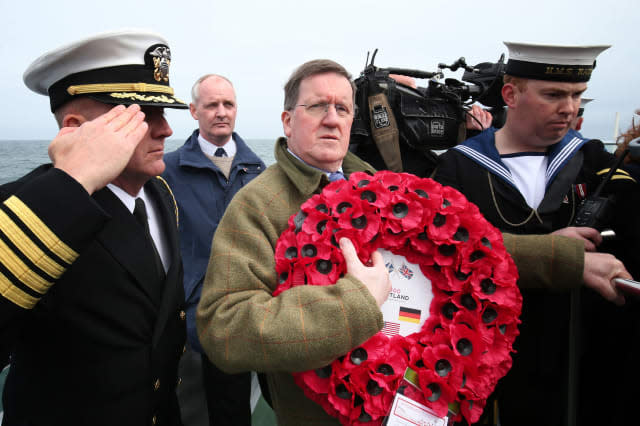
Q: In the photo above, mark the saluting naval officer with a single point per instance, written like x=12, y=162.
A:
x=90, y=270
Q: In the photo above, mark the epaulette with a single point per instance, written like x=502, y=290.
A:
x=618, y=174
x=175, y=204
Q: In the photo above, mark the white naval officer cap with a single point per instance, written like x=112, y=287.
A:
x=117, y=67
x=555, y=63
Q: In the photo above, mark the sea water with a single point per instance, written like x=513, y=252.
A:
x=19, y=157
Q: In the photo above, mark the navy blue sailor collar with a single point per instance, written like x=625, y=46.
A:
x=482, y=150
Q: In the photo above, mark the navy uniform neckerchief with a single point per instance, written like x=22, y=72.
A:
x=482, y=150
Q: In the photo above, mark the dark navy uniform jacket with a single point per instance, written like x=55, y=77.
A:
x=93, y=331
x=203, y=193
x=535, y=390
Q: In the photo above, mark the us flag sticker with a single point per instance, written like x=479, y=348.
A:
x=391, y=328
x=409, y=315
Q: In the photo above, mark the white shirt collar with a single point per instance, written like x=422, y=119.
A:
x=155, y=227
x=314, y=167
x=209, y=148
x=128, y=200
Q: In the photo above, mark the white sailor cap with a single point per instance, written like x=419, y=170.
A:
x=583, y=102
x=555, y=63
x=118, y=67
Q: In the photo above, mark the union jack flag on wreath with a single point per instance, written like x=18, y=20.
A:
x=406, y=271
x=389, y=266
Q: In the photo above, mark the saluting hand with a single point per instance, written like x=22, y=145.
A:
x=375, y=277
x=98, y=151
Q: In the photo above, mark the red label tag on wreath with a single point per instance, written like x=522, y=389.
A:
x=455, y=327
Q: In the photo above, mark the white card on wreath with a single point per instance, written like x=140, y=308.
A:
x=407, y=306
x=407, y=412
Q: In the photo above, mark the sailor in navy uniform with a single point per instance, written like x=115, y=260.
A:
x=90, y=274
x=529, y=178
x=576, y=124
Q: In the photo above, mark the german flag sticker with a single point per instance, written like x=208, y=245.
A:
x=409, y=315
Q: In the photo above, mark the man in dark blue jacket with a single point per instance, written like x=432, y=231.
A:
x=205, y=173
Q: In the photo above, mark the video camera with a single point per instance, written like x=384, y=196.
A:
x=398, y=127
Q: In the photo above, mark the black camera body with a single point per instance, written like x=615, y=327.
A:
x=427, y=119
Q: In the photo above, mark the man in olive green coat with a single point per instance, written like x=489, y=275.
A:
x=242, y=327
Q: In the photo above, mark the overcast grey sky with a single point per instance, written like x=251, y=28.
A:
x=257, y=44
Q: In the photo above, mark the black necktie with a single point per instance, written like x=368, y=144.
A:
x=140, y=213
x=220, y=152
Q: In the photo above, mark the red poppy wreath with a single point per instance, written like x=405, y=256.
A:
x=463, y=346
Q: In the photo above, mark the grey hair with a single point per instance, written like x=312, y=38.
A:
x=195, y=90
x=309, y=69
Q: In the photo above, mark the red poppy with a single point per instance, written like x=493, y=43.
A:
x=437, y=392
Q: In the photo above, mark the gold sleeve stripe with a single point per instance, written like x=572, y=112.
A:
x=119, y=87
x=41, y=231
x=15, y=295
x=28, y=248
x=603, y=171
x=21, y=271
x=617, y=177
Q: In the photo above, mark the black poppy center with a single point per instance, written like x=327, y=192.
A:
x=393, y=188
x=373, y=388
x=439, y=220
x=400, y=210
x=468, y=302
x=489, y=315
x=445, y=203
x=309, y=250
x=359, y=222
x=298, y=220
x=443, y=367
x=422, y=193
x=435, y=392
x=342, y=392
x=363, y=182
x=485, y=242
x=321, y=226
x=461, y=276
x=358, y=356
x=448, y=309
x=447, y=249
x=464, y=346
x=322, y=208
x=488, y=287
x=461, y=235
x=343, y=206
x=291, y=253
x=323, y=372
x=476, y=255
x=324, y=266
x=385, y=369
x=370, y=196
x=364, y=417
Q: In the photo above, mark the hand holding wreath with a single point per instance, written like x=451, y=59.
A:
x=375, y=277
